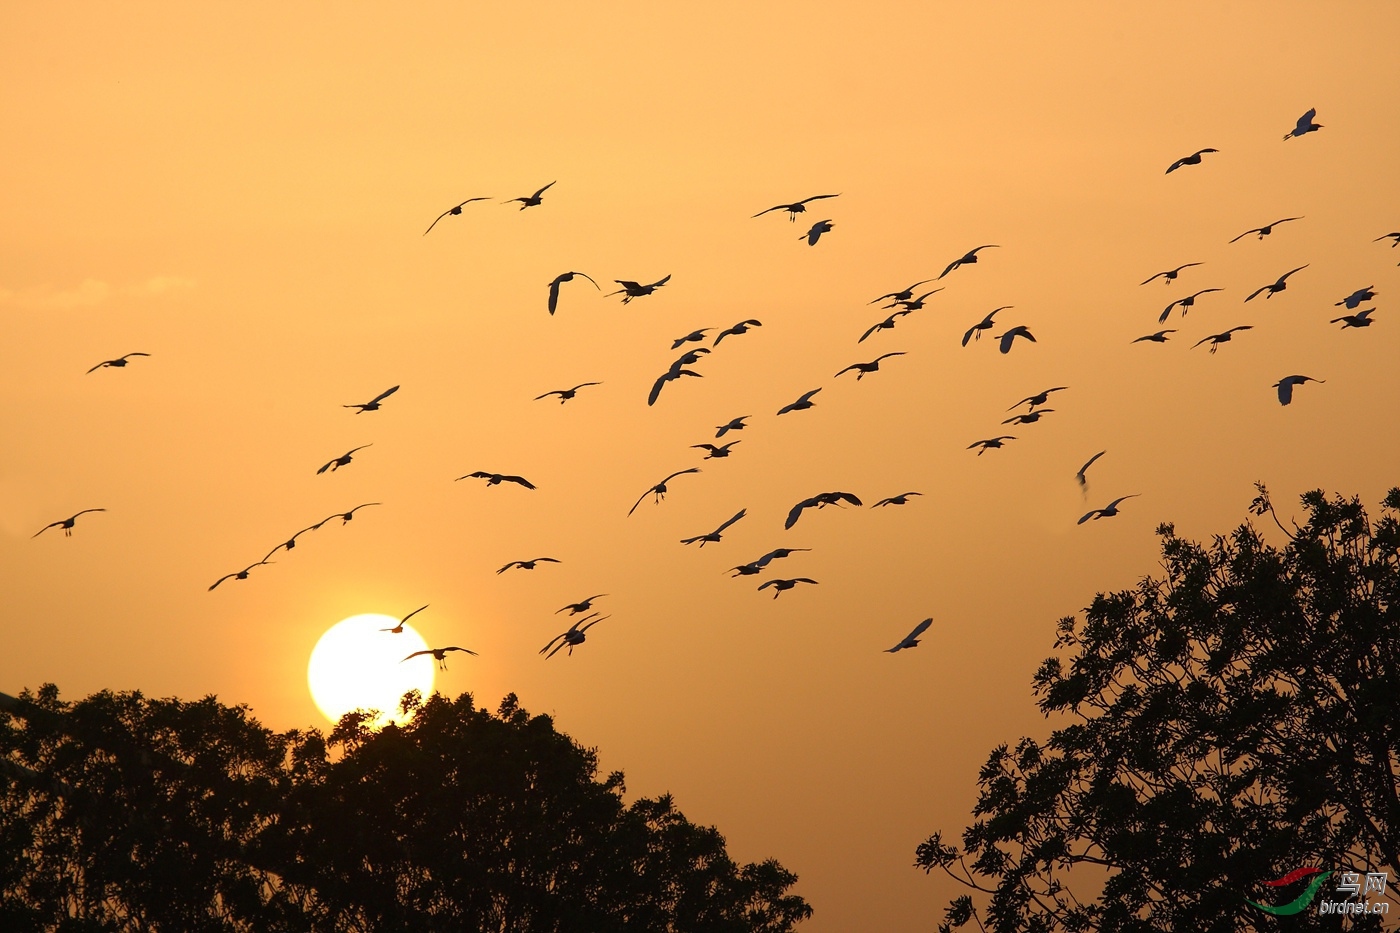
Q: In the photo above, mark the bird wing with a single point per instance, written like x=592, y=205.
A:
x=919, y=629
x=796, y=512
x=1255, y=294
x=1088, y=464
x=1247, y=233
x=846, y=496
x=817, y=197
x=520, y=480
x=1007, y=339
x=383, y=395
x=639, y=500
x=1114, y=503
x=884, y=356
x=737, y=515
x=544, y=189
x=775, y=207
x=439, y=217
x=1204, y=339
x=454, y=647
x=1157, y=276
x=514, y=563
x=222, y=579
x=655, y=392
x=554, y=295
x=416, y=654
x=951, y=266
x=678, y=473
x=1285, y=391
x=413, y=613
x=660, y=282
x=1299, y=269
x=1086, y=516
x=848, y=368
x=1240, y=327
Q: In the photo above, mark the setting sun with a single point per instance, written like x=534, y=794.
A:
x=356, y=665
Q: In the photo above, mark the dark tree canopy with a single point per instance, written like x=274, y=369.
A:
x=119, y=813
x=1235, y=720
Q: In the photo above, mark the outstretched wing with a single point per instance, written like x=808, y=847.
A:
x=383, y=395
x=544, y=189
x=796, y=512
x=519, y=479
x=678, y=473
x=919, y=629
x=737, y=515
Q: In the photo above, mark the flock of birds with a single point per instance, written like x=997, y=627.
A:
x=900, y=304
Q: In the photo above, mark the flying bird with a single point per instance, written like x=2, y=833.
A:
x=1010, y=336
x=659, y=490
x=738, y=329
x=988, y=443
x=527, y=564
x=690, y=357
x=969, y=257
x=441, y=653
x=1277, y=286
x=1040, y=398
x=754, y=567
x=1359, y=319
x=886, y=324
x=118, y=363
x=1184, y=303
x=1217, y=339
x=802, y=404
x=714, y=453
x=914, y=304
x=1286, y=384
x=904, y=294
x=1028, y=418
x=635, y=290
x=912, y=639
x=1107, y=511
x=533, y=200
x=238, y=575
x=581, y=606
x=1266, y=229
x=695, y=336
x=373, y=404
x=1079, y=475
x=864, y=369
x=901, y=499
x=343, y=460
x=782, y=586
x=398, y=629
x=1193, y=159
x=820, y=501
x=1356, y=298
x=796, y=207
x=292, y=541
x=815, y=234
x=734, y=424
x=1170, y=275
x=566, y=394
x=714, y=536
x=1393, y=237
x=560, y=280
x=495, y=479
x=670, y=375
x=343, y=516
x=453, y=211
x=1159, y=337
x=1305, y=125
x=66, y=524
x=985, y=324
x=575, y=636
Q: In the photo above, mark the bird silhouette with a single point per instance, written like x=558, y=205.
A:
x=659, y=490
x=967, y=258
x=904, y=294
x=560, y=280
x=802, y=404
x=566, y=394
x=913, y=304
x=1286, y=384
x=575, y=636
x=734, y=424
x=440, y=653
x=118, y=363
x=343, y=516
x=815, y=233
x=738, y=329
x=1305, y=125
x=532, y=200
x=1357, y=298
x=581, y=606
x=373, y=404
x=1010, y=336
x=292, y=541
x=1028, y=418
x=754, y=567
x=990, y=442
x=912, y=639
x=527, y=564
x=632, y=289
x=1394, y=238
x=1266, y=229
x=1159, y=337
x=985, y=324
x=238, y=575
x=1038, y=399
x=1193, y=159
x=1079, y=474
x=1107, y=511
x=864, y=369
x=495, y=479
x=670, y=375
x=886, y=324
x=714, y=536
x=714, y=453
x=796, y=207
x=66, y=523
x=453, y=211
x=901, y=499
x=1184, y=303
x=695, y=336
x=1359, y=319
x=1224, y=337
x=782, y=586
x=1277, y=286
x=1170, y=275
x=343, y=460
x=398, y=628
x=820, y=501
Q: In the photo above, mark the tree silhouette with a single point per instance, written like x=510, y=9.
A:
x=1219, y=727
x=119, y=813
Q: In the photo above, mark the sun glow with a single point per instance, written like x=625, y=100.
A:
x=357, y=666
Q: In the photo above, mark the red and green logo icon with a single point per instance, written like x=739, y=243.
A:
x=1300, y=903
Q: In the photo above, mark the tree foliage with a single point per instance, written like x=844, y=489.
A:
x=119, y=813
x=1220, y=726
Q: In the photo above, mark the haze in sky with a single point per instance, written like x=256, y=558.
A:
x=241, y=192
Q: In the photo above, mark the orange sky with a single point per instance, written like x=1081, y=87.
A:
x=241, y=191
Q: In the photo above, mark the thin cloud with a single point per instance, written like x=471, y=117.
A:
x=90, y=292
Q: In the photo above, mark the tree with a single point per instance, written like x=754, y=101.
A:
x=121, y=814
x=1219, y=727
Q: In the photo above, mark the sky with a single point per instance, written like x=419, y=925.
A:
x=241, y=190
